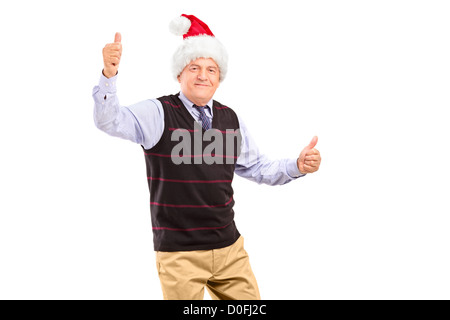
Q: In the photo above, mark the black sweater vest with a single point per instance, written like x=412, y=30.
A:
x=189, y=174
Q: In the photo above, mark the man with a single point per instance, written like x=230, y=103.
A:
x=189, y=173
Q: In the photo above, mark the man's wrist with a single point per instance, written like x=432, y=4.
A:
x=293, y=170
x=108, y=76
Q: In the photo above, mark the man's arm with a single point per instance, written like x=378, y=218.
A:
x=257, y=167
x=142, y=123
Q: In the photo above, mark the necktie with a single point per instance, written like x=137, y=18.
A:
x=206, y=124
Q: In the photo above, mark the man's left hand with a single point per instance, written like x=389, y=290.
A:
x=309, y=159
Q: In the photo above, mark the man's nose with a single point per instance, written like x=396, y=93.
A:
x=202, y=75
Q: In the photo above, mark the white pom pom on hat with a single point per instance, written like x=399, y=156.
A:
x=198, y=42
x=179, y=26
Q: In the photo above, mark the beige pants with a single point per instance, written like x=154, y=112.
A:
x=225, y=272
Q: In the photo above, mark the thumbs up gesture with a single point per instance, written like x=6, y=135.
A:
x=309, y=159
x=111, y=56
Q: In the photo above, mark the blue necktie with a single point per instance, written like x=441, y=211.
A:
x=206, y=124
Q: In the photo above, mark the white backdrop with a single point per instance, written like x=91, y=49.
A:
x=369, y=78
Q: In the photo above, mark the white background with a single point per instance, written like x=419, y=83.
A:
x=369, y=78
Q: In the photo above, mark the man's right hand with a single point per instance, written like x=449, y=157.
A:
x=111, y=56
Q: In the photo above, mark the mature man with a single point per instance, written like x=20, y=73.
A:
x=195, y=238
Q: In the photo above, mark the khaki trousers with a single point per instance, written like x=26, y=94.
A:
x=225, y=272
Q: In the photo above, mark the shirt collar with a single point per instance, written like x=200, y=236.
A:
x=190, y=105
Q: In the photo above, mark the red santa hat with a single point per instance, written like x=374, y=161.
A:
x=198, y=42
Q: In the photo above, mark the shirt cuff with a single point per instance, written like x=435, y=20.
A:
x=107, y=85
x=292, y=169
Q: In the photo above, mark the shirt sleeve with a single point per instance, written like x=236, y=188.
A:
x=142, y=123
x=257, y=167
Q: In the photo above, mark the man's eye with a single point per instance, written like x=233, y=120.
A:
x=212, y=70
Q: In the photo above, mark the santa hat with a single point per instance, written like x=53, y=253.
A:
x=198, y=42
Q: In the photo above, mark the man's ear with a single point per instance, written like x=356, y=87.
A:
x=179, y=78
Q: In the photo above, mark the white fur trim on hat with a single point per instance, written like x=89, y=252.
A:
x=202, y=46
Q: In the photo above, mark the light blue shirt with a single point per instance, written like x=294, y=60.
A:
x=143, y=123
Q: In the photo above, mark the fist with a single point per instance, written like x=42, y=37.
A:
x=111, y=56
x=309, y=159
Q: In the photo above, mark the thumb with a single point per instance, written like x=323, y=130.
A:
x=118, y=37
x=313, y=143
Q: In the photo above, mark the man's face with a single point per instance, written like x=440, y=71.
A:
x=199, y=80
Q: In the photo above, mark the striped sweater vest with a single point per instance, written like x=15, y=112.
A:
x=191, y=202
